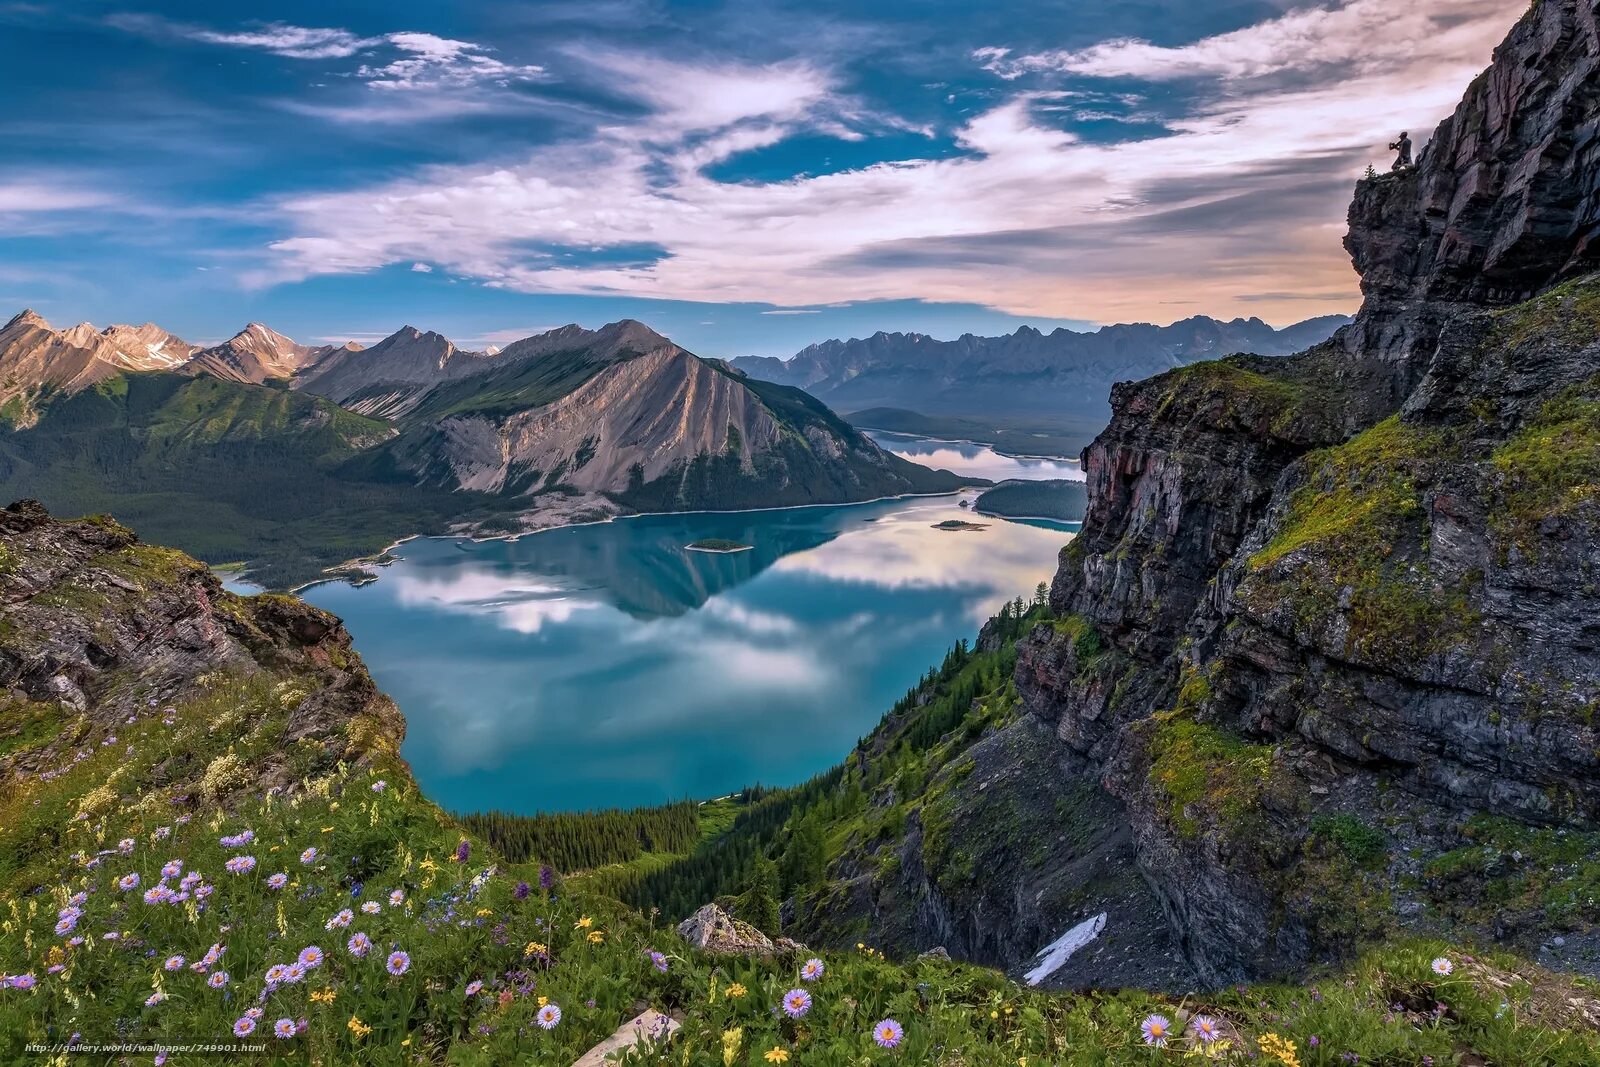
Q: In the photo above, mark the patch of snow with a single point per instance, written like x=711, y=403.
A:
x=1061, y=949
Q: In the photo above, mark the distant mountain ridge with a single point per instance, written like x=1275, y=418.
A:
x=267, y=450
x=1026, y=373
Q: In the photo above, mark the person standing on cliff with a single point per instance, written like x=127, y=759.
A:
x=1402, y=146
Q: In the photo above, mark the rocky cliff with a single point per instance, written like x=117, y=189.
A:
x=1344, y=673
x=1323, y=665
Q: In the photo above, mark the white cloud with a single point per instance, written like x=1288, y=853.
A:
x=294, y=42
x=39, y=195
x=1238, y=208
x=431, y=62
x=421, y=268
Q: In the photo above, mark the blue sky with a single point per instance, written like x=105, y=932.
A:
x=747, y=177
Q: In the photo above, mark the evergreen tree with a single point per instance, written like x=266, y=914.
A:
x=758, y=906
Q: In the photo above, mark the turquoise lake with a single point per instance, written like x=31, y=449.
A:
x=608, y=666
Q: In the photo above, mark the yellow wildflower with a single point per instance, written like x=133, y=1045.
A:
x=777, y=1055
x=1280, y=1049
x=327, y=829
x=323, y=996
x=595, y=937
x=484, y=913
x=736, y=990
x=357, y=1027
x=731, y=1042
x=583, y=923
x=543, y=1001
x=427, y=864
x=535, y=948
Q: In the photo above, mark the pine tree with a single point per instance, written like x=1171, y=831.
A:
x=758, y=906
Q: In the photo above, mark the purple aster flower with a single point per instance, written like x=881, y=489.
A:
x=1156, y=1029
x=311, y=956
x=549, y=1015
x=277, y=973
x=241, y=864
x=1206, y=1028
x=812, y=970
x=174, y=963
x=359, y=945
x=399, y=963
x=473, y=988
x=888, y=1033
x=658, y=960
x=128, y=881
x=309, y=856
x=244, y=1026
x=284, y=1029
x=277, y=881
x=796, y=1003
x=24, y=981
x=218, y=980
x=379, y=786
x=294, y=972
x=154, y=998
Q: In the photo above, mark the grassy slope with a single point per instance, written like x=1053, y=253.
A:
x=228, y=472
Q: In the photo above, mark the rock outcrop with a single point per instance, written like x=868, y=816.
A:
x=1332, y=621
x=95, y=622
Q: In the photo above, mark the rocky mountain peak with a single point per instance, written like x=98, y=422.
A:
x=28, y=317
x=1504, y=201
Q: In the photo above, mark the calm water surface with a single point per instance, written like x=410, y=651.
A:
x=978, y=461
x=606, y=665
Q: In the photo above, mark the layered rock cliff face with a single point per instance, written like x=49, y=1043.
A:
x=1344, y=619
x=1325, y=659
x=95, y=624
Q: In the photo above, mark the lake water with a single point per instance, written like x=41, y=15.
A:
x=606, y=665
x=978, y=461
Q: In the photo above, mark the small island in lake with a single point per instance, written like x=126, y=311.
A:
x=1060, y=499
x=958, y=524
x=717, y=544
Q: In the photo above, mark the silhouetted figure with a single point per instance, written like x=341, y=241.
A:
x=1403, y=146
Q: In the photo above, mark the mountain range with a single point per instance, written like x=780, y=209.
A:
x=267, y=451
x=1025, y=390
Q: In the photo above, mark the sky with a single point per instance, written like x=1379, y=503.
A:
x=747, y=177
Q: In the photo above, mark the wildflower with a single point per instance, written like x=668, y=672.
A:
x=399, y=963
x=658, y=960
x=1155, y=1029
x=326, y=995
x=584, y=923
x=311, y=956
x=796, y=1003
x=277, y=881
x=1442, y=966
x=237, y=840
x=522, y=891
x=812, y=970
x=359, y=945
x=888, y=1033
x=284, y=1028
x=548, y=1016
x=174, y=963
x=128, y=881
x=255, y=1013
x=23, y=981
x=736, y=991
x=125, y=846
x=172, y=869
x=1279, y=1049
x=241, y=864
x=473, y=988
x=547, y=878
x=244, y=1026
x=776, y=1055
x=294, y=972
x=309, y=856
x=66, y=926
x=357, y=1027
x=218, y=980
x=595, y=937
x=276, y=973
x=463, y=850
x=535, y=948
x=340, y=920
x=154, y=998
x=396, y=898
x=371, y=907
x=1206, y=1028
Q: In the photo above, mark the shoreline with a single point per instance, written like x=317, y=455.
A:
x=367, y=560
x=1033, y=518
x=1076, y=461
